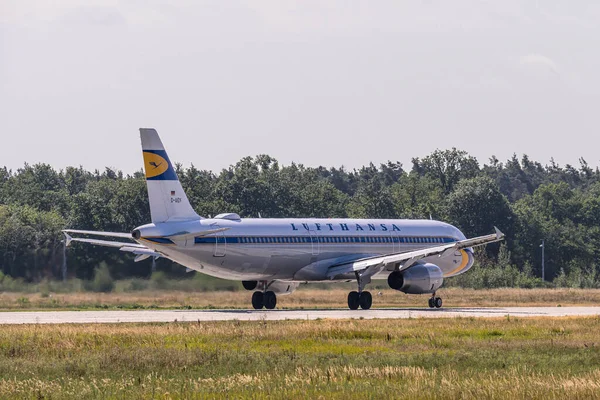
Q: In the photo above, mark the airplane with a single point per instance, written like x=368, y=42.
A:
x=272, y=256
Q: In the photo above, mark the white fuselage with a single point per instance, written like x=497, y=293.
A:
x=299, y=249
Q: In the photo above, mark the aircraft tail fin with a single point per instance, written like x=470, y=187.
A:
x=168, y=202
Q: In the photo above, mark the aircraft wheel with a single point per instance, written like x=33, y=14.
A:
x=270, y=300
x=258, y=300
x=431, y=303
x=365, y=300
x=437, y=302
x=353, y=300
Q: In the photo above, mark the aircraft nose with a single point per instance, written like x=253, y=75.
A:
x=471, y=255
x=458, y=234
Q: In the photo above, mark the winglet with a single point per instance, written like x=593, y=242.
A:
x=68, y=239
x=499, y=234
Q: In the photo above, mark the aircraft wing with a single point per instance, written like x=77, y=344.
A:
x=142, y=252
x=405, y=260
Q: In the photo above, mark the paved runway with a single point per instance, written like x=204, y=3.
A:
x=87, y=317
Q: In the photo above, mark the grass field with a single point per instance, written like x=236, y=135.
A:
x=356, y=359
x=303, y=298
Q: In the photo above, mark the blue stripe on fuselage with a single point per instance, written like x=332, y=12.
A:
x=312, y=239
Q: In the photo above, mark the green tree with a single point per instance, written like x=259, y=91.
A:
x=447, y=167
x=476, y=206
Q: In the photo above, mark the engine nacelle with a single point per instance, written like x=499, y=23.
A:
x=250, y=285
x=418, y=279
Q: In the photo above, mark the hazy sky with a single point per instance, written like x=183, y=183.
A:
x=317, y=82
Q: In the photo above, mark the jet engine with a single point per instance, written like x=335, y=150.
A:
x=418, y=279
x=249, y=285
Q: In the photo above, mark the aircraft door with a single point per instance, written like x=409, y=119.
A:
x=314, y=241
x=220, y=244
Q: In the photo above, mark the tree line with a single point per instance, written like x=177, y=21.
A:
x=525, y=199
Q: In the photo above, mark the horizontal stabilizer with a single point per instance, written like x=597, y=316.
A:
x=141, y=251
x=141, y=254
x=99, y=233
x=106, y=243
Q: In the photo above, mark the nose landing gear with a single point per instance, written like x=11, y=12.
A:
x=435, y=302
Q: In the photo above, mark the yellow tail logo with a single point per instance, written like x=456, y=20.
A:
x=154, y=164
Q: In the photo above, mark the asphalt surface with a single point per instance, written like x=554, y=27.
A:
x=87, y=317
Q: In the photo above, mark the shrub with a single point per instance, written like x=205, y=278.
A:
x=23, y=302
x=137, y=285
x=102, y=282
x=159, y=280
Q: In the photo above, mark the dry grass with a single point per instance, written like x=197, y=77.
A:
x=304, y=298
x=448, y=358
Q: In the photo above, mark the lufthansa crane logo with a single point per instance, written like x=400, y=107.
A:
x=155, y=164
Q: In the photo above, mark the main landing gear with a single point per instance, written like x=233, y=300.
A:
x=435, y=302
x=362, y=298
x=267, y=300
